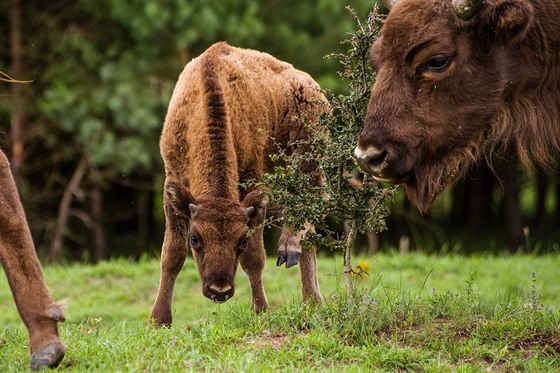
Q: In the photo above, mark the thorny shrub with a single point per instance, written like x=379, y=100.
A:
x=340, y=197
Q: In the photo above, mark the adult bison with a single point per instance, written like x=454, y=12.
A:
x=230, y=109
x=454, y=79
x=17, y=253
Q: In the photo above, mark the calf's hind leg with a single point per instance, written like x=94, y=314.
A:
x=308, y=272
x=33, y=300
x=173, y=256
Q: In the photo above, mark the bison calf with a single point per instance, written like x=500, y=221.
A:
x=230, y=110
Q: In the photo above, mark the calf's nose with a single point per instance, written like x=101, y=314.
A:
x=220, y=291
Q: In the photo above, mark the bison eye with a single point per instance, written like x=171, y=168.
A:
x=436, y=64
x=195, y=243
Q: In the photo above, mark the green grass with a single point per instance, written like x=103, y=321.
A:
x=415, y=312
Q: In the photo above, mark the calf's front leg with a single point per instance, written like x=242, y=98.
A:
x=252, y=262
x=33, y=300
x=173, y=255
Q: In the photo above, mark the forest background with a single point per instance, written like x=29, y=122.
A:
x=82, y=131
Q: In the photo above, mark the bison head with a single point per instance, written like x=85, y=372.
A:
x=442, y=80
x=218, y=234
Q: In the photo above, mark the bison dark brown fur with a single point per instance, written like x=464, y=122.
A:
x=455, y=78
x=230, y=110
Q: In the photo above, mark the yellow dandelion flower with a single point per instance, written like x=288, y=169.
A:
x=365, y=266
x=361, y=269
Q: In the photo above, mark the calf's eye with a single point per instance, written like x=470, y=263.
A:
x=195, y=243
x=244, y=244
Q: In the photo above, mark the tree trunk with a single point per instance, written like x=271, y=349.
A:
x=144, y=208
x=373, y=242
x=98, y=230
x=18, y=94
x=64, y=209
x=512, y=211
x=542, y=184
x=555, y=215
x=478, y=197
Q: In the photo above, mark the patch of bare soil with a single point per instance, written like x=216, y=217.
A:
x=268, y=339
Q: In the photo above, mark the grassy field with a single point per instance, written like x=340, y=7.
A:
x=414, y=312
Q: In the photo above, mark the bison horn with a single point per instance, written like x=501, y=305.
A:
x=389, y=3
x=466, y=9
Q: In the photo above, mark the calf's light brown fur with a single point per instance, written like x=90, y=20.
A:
x=227, y=107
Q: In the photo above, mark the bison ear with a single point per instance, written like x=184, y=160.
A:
x=509, y=20
x=179, y=198
x=255, y=206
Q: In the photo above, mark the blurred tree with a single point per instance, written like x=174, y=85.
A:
x=84, y=133
x=102, y=75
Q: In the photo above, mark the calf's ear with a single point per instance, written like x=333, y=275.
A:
x=509, y=20
x=180, y=198
x=255, y=206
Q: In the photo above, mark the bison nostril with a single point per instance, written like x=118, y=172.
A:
x=372, y=159
x=376, y=158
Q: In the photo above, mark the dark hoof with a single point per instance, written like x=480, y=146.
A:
x=48, y=357
x=293, y=259
x=290, y=258
x=281, y=258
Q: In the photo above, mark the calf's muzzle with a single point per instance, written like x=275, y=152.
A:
x=218, y=291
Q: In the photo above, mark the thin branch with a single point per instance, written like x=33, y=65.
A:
x=64, y=209
x=8, y=79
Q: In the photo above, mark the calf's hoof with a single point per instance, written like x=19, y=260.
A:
x=291, y=258
x=157, y=323
x=259, y=308
x=161, y=316
x=48, y=357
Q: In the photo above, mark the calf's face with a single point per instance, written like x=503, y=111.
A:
x=218, y=233
x=441, y=82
